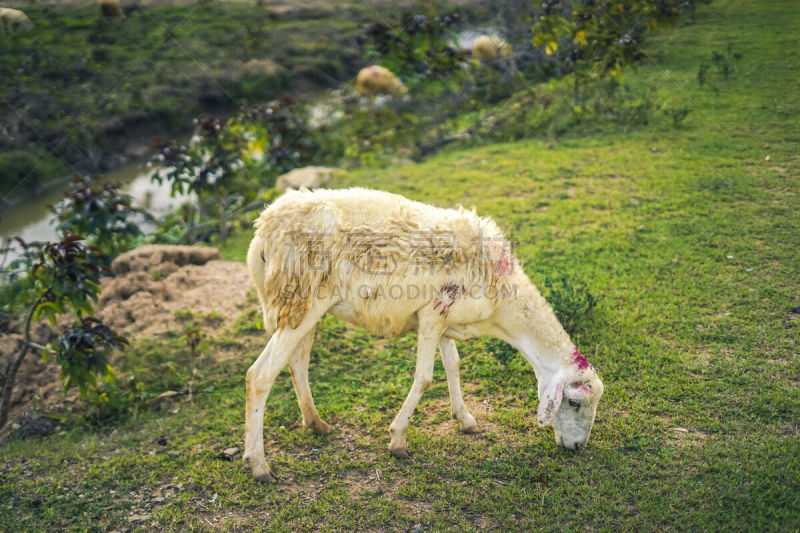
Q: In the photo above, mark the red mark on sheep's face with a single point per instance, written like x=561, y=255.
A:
x=580, y=387
x=447, y=297
x=580, y=361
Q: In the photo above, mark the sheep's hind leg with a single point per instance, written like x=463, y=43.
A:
x=260, y=378
x=458, y=409
x=298, y=367
x=423, y=376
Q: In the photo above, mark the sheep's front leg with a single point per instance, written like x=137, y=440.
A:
x=458, y=409
x=423, y=376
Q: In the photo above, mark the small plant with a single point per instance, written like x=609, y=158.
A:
x=59, y=278
x=571, y=301
x=100, y=213
x=588, y=41
x=723, y=64
x=83, y=353
x=194, y=339
x=249, y=322
x=677, y=114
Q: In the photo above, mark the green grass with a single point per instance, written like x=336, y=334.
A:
x=687, y=237
x=77, y=88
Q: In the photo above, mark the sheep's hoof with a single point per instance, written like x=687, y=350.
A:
x=471, y=430
x=261, y=471
x=266, y=477
x=320, y=427
x=400, y=453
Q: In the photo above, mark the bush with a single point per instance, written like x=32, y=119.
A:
x=226, y=164
x=60, y=277
x=25, y=170
x=572, y=302
x=101, y=214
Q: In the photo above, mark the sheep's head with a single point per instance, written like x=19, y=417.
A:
x=569, y=401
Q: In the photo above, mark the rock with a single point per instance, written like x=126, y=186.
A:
x=309, y=177
x=228, y=454
x=137, y=518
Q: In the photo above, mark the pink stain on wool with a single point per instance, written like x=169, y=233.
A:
x=504, y=266
x=580, y=361
x=447, y=297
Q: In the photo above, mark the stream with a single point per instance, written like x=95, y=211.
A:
x=34, y=221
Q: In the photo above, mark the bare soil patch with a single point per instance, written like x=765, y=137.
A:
x=149, y=284
x=152, y=282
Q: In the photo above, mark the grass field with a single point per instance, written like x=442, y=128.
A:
x=688, y=238
x=81, y=94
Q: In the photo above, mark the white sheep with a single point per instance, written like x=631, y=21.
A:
x=490, y=48
x=13, y=20
x=110, y=8
x=375, y=80
x=390, y=265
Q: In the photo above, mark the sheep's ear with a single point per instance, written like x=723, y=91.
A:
x=550, y=401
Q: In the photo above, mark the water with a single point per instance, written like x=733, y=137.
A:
x=34, y=221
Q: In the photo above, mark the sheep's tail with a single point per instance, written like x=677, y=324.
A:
x=257, y=264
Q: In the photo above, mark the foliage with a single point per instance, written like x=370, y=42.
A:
x=227, y=163
x=61, y=277
x=588, y=40
x=444, y=84
x=420, y=48
x=83, y=353
x=723, y=63
x=65, y=277
x=74, y=89
x=572, y=302
x=26, y=169
x=102, y=214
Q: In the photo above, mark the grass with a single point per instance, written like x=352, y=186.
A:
x=687, y=237
x=77, y=92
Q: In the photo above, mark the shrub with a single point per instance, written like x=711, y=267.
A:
x=60, y=277
x=26, y=169
x=100, y=213
x=572, y=302
x=225, y=166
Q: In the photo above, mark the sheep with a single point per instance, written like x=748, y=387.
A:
x=110, y=8
x=375, y=80
x=391, y=265
x=13, y=20
x=490, y=48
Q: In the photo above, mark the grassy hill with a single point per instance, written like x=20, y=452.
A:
x=687, y=237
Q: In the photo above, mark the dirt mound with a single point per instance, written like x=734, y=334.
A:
x=149, y=285
x=162, y=259
x=152, y=282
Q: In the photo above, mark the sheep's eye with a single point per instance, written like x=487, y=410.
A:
x=574, y=403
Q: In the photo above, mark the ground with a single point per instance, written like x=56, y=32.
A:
x=687, y=237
